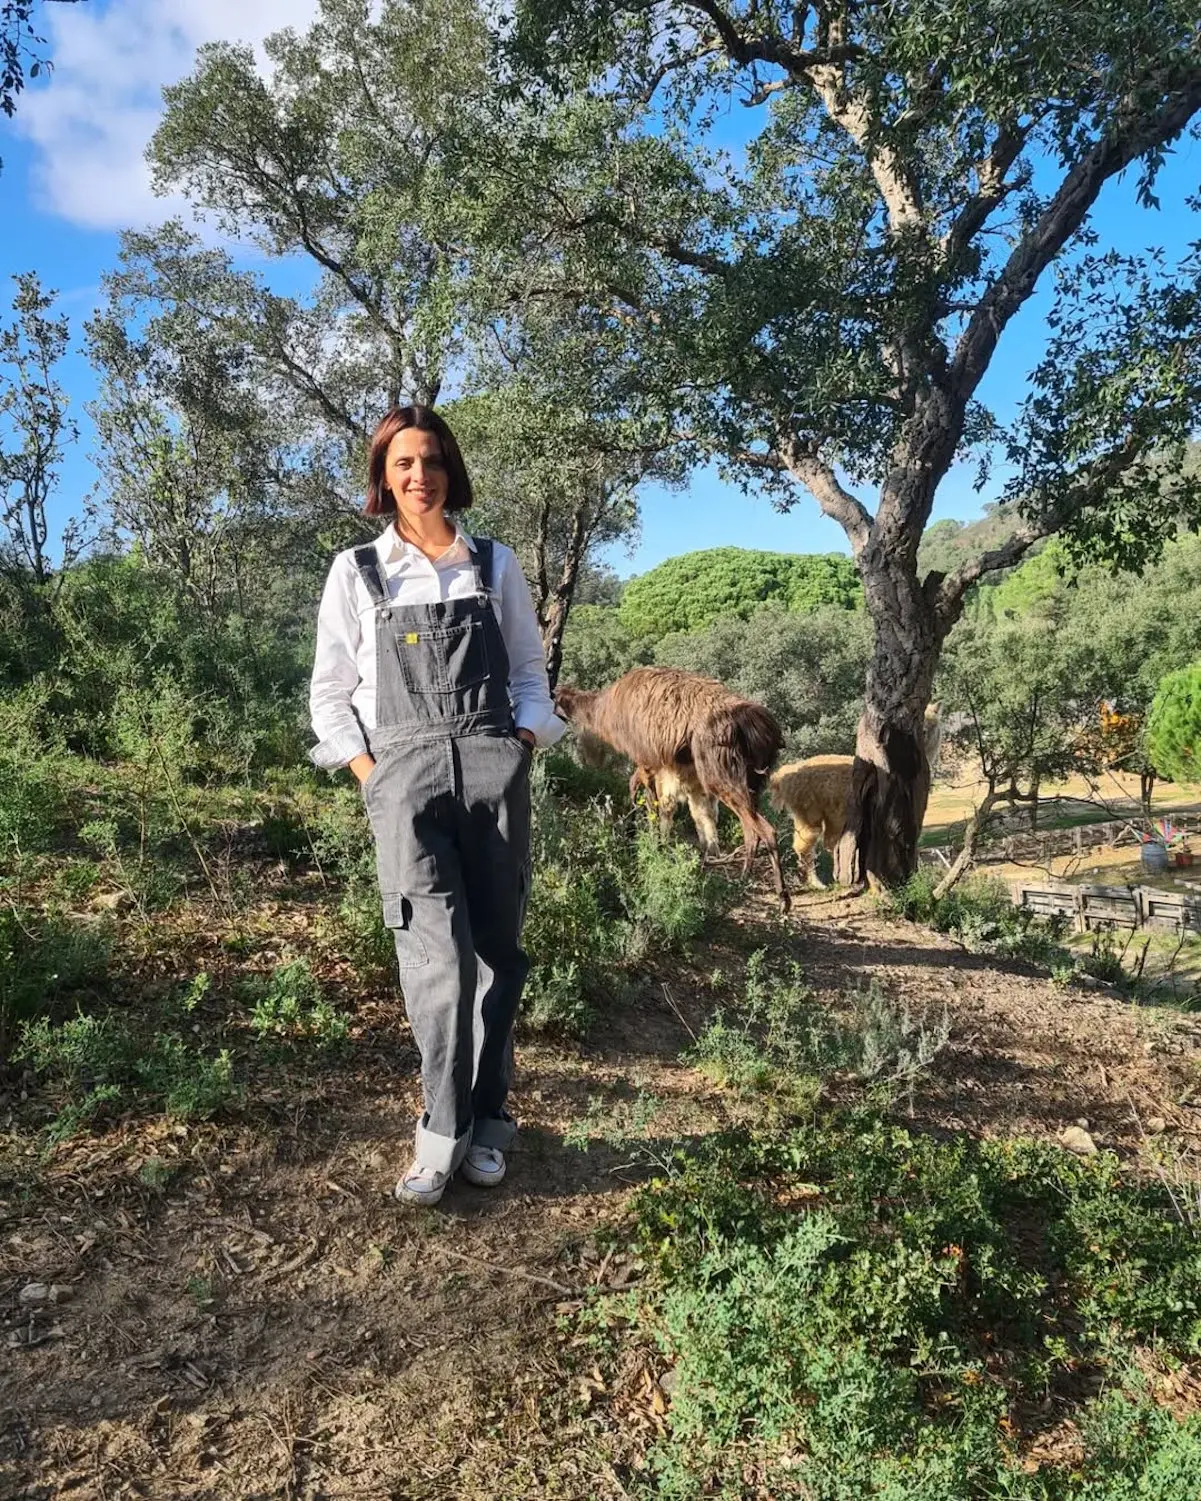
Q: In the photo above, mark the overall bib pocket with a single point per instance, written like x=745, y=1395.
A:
x=443, y=659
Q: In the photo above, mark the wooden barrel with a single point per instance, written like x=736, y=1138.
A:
x=1154, y=856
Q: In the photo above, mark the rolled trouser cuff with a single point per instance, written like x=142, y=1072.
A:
x=442, y=1153
x=494, y=1131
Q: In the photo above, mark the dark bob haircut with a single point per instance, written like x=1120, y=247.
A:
x=380, y=501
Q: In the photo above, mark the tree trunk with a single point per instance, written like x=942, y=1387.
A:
x=558, y=606
x=1146, y=784
x=1034, y=807
x=890, y=780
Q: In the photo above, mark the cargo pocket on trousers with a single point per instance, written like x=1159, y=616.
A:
x=398, y=915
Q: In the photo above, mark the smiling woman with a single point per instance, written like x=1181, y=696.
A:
x=430, y=685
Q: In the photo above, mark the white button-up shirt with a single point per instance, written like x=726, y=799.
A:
x=343, y=687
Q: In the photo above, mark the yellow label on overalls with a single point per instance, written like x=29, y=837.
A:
x=411, y=638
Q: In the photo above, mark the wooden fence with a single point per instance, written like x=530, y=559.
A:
x=1093, y=907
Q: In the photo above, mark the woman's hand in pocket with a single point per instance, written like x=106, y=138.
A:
x=362, y=766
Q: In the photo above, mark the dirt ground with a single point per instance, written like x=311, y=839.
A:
x=252, y=1315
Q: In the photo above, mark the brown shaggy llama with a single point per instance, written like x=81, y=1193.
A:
x=684, y=732
x=814, y=793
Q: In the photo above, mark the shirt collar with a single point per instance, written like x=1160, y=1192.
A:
x=391, y=546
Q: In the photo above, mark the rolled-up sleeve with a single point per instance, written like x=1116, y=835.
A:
x=335, y=674
x=529, y=689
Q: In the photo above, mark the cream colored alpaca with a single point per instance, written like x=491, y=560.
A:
x=814, y=794
x=665, y=788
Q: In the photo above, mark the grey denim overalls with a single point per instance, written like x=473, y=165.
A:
x=449, y=805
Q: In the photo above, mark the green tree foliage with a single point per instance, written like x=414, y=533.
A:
x=21, y=46
x=1174, y=726
x=597, y=648
x=122, y=636
x=358, y=155
x=34, y=424
x=693, y=590
x=807, y=669
x=948, y=544
x=193, y=460
x=820, y=309
x=1016, y=693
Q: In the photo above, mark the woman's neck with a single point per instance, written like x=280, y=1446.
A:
x=433, y=534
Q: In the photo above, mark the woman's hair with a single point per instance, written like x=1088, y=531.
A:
x=380, y=501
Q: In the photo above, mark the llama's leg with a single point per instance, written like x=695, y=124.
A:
x=704, y=817
x=804, y=842
x=757, y=832
x=667, y=798
x=767, y=837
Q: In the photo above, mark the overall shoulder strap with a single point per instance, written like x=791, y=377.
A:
x=483, y=558
x=366, y=560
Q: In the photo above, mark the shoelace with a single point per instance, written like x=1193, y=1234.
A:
x=422, y=1175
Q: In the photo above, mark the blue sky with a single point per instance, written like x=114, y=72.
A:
x=73, y=176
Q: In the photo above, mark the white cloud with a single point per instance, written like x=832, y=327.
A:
x=90, y=125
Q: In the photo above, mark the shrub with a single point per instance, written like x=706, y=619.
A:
x=603, y=892
x=43, y=960
x=671, y=897
x=291, y=1005
x=777, y=1032
x=980, y=914
x=850, y=1310
x=102, y=1061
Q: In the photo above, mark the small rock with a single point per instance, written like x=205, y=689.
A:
x=1082, y=1122
x=1156, y=1125
x=1077, y=1140
x=61, y=1293
x=34, y=1292
x=669, y=1381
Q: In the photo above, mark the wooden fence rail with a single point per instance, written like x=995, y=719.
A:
x=1093, y=907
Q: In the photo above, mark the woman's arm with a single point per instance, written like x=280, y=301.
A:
x=533, y=710
x=340, y=737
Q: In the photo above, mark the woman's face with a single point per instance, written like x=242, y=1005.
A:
x=415, y=473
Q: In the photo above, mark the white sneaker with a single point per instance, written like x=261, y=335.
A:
x=421, y=1185
x=483, y=1166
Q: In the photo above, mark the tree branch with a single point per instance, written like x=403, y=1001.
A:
x=818, y=477
x=991, y=189
x=1089, y=487
x=771, y=49
x=1131, y=138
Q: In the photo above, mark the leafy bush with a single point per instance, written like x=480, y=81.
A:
x=291, y=1004
x=981, y=915
x=43, y=960
x=777, y=1032
x=850, y=1310
x=671, y=897
x=111, y=1060
x=577, y=927
x=603, y=892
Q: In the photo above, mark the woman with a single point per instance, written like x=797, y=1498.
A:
x=430, y=684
